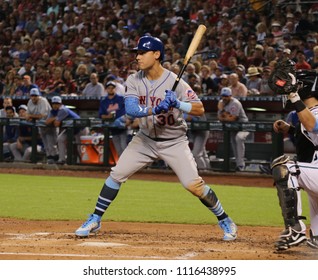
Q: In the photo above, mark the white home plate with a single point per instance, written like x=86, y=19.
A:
x=102, y=244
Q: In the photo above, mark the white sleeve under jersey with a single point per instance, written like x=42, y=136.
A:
x=151, y=93
x=312, y=136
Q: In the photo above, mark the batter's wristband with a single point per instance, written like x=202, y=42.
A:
x=299, y=106
x=185, y=106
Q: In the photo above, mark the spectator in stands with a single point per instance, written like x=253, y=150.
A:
x=264, y=88
x=22, y=148
x=120, y=88
x=254, y=81
x=224, y=82
x=270, y=55
x=257, y=58
x=27, y=69
x=82, y=77
x=230, y=109
x=94, y=88
x=212, y=48
x=27, y=85
x=55, y=85
x=112, y=108
x=232, y=63
x=301, y=61
x=250, y=46
x=69, y=82
x=9, y=83
x=238, y=89
x=240, y=71
x=38, y=110
x=207, y=84
x=42, y=77
x=227, y=52
x=57, y=115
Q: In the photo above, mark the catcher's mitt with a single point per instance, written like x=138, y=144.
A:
x=282, y=80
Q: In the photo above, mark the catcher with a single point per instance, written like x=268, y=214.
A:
x=290, y=176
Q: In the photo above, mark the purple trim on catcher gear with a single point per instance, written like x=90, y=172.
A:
x=134, y=109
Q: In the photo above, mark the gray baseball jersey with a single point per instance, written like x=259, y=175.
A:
x=169, y=125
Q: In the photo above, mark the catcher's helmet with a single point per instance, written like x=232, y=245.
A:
x=308, y=83
x=149, y=43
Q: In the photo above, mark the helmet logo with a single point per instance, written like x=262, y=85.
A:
x=146, y=45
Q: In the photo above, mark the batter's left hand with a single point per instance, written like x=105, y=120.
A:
x=171, y=97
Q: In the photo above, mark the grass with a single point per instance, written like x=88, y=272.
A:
x=71, y=198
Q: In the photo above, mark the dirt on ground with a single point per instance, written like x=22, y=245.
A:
x=55, y=240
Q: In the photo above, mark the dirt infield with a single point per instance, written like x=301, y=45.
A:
x=52, y=240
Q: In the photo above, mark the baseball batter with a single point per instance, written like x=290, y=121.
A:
x=162, y=135
x=290, y=175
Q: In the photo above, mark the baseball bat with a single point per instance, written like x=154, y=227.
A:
x=190, y=52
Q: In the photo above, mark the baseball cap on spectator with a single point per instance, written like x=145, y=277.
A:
x=59, y=22
x=34, y=92
x=275, y=23
x=66, y=52
x=288, y=51
x=311, y=40
x=226, y=91
x=259, y=47
x=180, y=18
x=111, y=77
x=223, y=76
x=56, y=99
x=110, y=83
x=87, y=40
x=240, y=67
x=80, y=51
x=24, y=107
x=69, y=63
x=225, y=15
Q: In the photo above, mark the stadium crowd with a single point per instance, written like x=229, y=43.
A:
x=75, y=47
x=56, y=45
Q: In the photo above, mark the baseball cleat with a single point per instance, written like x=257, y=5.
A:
x=92, y=225
x=229, y=228
x=290, y=237
x=312, y=242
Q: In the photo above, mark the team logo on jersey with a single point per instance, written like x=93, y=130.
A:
x=191, y=94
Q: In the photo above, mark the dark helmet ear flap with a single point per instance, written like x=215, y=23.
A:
x=309, y=80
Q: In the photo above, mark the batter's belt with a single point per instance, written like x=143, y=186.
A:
x=158, y=139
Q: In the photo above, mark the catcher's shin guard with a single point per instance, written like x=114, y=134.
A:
x=287, y=196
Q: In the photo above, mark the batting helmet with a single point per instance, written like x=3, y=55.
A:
x=149, y=43
x=308, y=83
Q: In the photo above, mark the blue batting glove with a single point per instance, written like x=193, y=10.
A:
x=163, y=107
x=171, y=96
